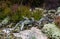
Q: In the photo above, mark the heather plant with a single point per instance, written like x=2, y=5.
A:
x=38, y=14
x=5, y=12
x=16, y=13
x=15, y=17
x=24, y=11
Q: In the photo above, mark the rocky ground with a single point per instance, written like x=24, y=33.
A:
x=29, y=28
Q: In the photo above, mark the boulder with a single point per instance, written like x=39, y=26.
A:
x=33, y=33
x=51, y=30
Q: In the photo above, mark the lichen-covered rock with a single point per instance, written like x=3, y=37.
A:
x=58, y=10
x=5, y=21
x=34, y=33
x=51, y=30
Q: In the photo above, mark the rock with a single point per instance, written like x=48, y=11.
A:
x=0, y=24
x=58, y=10
x=45, y=20
x=5, y=21
x=38, y=8
x=10, y=25
x=33, y=33
x=51, y=31
x=51, y=11
x=7, y=30
x=26, y=21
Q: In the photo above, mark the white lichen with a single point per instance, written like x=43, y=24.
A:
x=52, y=31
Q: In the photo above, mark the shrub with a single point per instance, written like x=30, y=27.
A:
x=24, y=11
x=38, y=14
x=21, y=11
